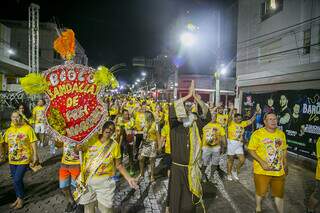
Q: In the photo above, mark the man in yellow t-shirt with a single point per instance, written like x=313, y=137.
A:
x=315, y=197
x=222, y=118
x=101, y=186
x=22, y=151
x=38, y=116
x=236, y=128
x=213, y=138
x=268, y=147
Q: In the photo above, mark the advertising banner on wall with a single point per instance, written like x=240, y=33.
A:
x=298, y=113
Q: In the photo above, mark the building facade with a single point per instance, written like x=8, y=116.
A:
x=14, y=36
x=10, y=69
x=278, y=66
x=278, y=45
x=48, y=57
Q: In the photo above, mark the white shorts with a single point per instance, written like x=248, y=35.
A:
x=39, y=128
x=101, y=189
x=234, y=147
x=211, y=156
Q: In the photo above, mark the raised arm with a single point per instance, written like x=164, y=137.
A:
x=173, y=119
x=253, y=118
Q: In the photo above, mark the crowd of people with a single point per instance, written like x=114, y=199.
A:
x=189, y=135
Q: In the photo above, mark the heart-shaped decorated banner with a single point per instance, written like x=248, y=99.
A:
x=75, y=108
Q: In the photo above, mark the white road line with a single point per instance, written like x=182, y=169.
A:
x=219, y=184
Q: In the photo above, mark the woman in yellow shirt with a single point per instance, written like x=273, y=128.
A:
x=104, y=152
x=22, y=151
x=148, y=147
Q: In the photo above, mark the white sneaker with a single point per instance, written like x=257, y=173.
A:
x=229, y=177
x=235, y=175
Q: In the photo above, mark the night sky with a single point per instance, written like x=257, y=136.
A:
x=115, y=31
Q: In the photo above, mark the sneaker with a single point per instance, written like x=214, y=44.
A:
x=235, y=175
x=229, y=177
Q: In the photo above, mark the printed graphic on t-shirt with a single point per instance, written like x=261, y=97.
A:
x=40, y=116
x=274, y=153
x=213, y=136
x=17, y=147
x=238, y=132
x=69, y=152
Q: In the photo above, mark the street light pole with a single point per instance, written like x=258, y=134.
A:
x=175, y=90
x=217, y=75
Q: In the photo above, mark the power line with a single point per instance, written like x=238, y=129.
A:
x=275, y=53
x=295, y=25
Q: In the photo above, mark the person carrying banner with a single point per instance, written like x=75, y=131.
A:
x=315, y=197
x=268, y=147
x=101, y=159
x=22, y=151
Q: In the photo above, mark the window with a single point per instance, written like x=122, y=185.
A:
x=39, y=52
x=306, y=41
x=270, y=8
x=56, y=55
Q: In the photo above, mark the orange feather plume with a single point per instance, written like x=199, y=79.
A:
x=65, y=44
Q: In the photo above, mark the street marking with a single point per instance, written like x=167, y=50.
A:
x=219, y=184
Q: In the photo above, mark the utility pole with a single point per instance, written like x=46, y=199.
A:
x=217, y=77
x=175, y=88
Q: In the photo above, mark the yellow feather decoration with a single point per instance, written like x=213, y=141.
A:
x=34, y=84
x=104, y=77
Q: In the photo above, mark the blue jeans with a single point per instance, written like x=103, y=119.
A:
x=17, y=174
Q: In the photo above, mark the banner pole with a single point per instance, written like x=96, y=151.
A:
x=80, y=158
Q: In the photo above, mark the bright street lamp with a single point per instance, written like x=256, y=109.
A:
x=187, y=39
x=223, y=69
x=143, y=73
x=138, y=80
